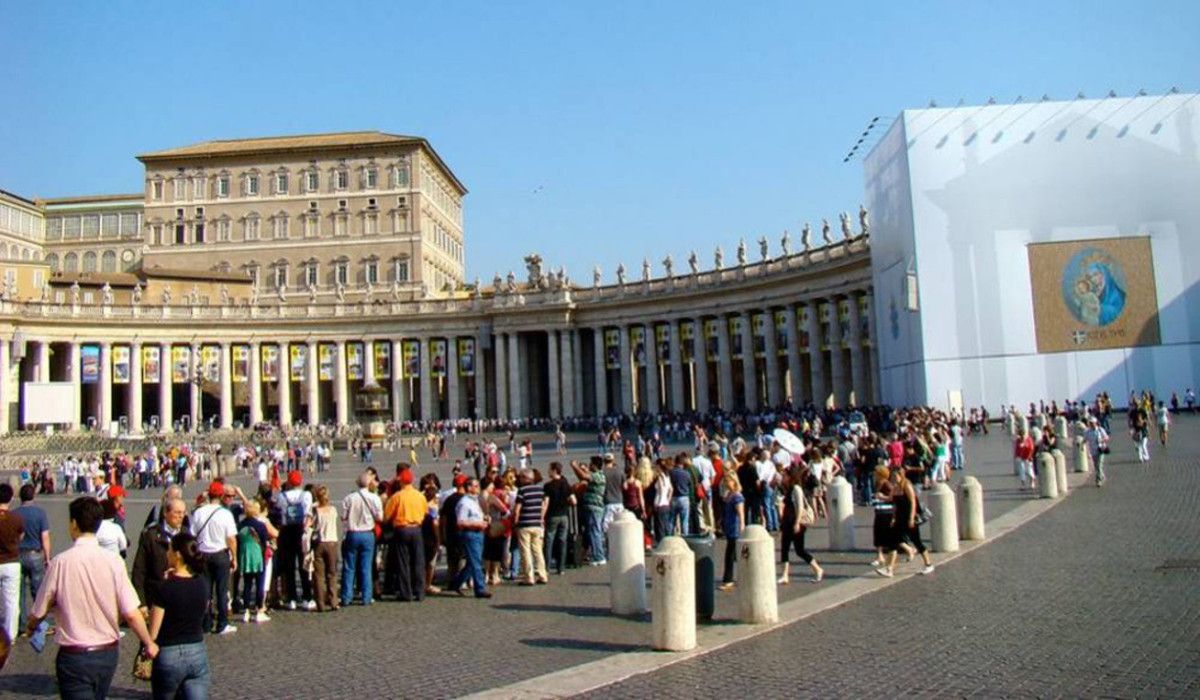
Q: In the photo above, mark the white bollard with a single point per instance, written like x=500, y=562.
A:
x=757, y=596
x=1060, y=472
x=972, y=509
x=1061, y=430
x=944, y=524
x=627, y=565
x=840, y=506
x=1036, y=433
x=1010, y=424
x=1023, y=423
x=1040, y=420
x=1082, y=458
x=1047, y=476
x=673, y=597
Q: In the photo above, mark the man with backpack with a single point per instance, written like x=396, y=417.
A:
x=295, y=506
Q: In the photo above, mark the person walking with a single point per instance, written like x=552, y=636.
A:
x=593, y=478
x=325, y=554
x=471, y=524
x=177, y=602
x=90, y=592
x=798, y=514
x=1023, y=449
x=1096, y=438
x=216, y=536
x=1163, y=418
x=1139, y=430
x=35, y=548
x=448, y=526
x=12, y=531
x=362, y=511
x=529, y=517
x=405, y=510
x=904, y=524
x=733, y=522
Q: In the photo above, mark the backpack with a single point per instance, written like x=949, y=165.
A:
x=293, y=511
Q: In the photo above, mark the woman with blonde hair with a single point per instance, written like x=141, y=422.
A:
x=734, y=522
x=325, y=554
x=798, y=514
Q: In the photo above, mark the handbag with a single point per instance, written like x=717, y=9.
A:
x=143, y=665
x=805, y=515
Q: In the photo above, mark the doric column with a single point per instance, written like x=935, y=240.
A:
x=105, y=416
x=73, y=373
x=452, y=409
x=166, y=395
x=837, y=362
x=135, y=388
x=226, y=387
x=43, y=361
x=858, y=358
x=313, y=383
x=652, y=377
x=256, y=412
x=700, y=365
x=872, y=354
x=772, y=359
x=749, y=368
x=426, y=380
x=600, y=371
x=566, y=341
x=577, y=370
x=194, y=405
x=285, y=384
x=795, y=381
x=399, y=384
x=5, y=399
x=515, y=407
x=815, y=356
x=552, y=383
x=724, y=365
x=481, y=410
x=626, y=373
x=368, y=361
x=339, y=378
x=501, y=355
x=675, y=358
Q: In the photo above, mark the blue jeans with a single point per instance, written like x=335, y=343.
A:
x=956, y=457
x=33, y=568
x=85, y=676
x=595, y=531
x=357, y=557
x=681, y=508
x=771, y=508
x=181, y=671
x=472, y=547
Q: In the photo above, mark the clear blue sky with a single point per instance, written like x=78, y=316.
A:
x=648, y=126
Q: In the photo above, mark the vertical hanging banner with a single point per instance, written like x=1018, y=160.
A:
x=210, y=362
x=466, y=357
x=824, y=314
x=120, y=364
x=735, y=337
x=781, y=336
x=843, y=315
x=382, y=357
x=637, y=338
x=662, y=338
x=299, y=362
x=712, y=346
x=437, y=357
x=864, y=317
x=687, y=340
x=803, y=338
x=325, y=353
x=89, y=364
x=758, y=334
x=241, y=363
x=181, y=364
x=411, y=352
x=354, y=361
x=612, y=349
x=151, y=364
x=270, y=363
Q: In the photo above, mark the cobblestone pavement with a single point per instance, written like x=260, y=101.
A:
x=448, y=646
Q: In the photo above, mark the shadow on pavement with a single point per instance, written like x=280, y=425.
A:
x=561, y=643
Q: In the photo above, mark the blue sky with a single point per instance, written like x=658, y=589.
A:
x=591, y=132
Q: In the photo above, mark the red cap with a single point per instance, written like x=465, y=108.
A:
x=116, y=492
x=405, y=476
x=460, y=479
x=216, y=489
x=295, y=478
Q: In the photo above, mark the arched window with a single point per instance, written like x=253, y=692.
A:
x=14, y=252
x=52, y=261
x=108, y=261
x=89, y=262
x=71, y=263
x=25, y=253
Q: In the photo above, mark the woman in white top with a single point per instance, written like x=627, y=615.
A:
x=111, y=536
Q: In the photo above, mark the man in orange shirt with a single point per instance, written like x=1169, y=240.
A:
x=406, y=510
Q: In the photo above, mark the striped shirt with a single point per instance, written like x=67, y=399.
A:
x=530, y=499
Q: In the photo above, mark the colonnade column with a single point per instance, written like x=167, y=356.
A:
x=772, y=359
x=368, y=361
x=74, y=375
x=552, y=384
x=600, y=370
x=480, y=380
x=566, y=353
x=105, y=416
x=194, y=388
x=285, y=385
x=43, y=361
x=501, y=345
x=339, y=379
x=700, y=364
x=650, y=350
x=135, y=388
x=426, y=380
x=749, y=369
x=724, y=365
x=676, y=359
x=626, y=373
x=452, y=409
x=312, y=380
x=872, y=355
x=226, y=387
x=837, y=363
x=166, y=412
x=815, y=356
x=576, y=370
x=795, y=381
x=858, y=360
x=256, y=414
x=515, y=407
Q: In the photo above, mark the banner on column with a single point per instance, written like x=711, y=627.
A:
x=150, y=364
x=637, y=338
x=864, y=318
x=210, y=363
x=612, y=349
x=270, y=363
x=758, y=334
x=466, y=357
x=824, y=314
x=437, y=357
x=712, y=346
x=181, y=364
x=781, y=336
x=299, y=362
x=410, y=351
x=802, y=336
x=354, y=361
x=843, y=315
x=662, y=338
x=687, y=338
x=735, y=338
x=120, y=364
x=241, y=363
x=382, y=357
x=325, y=353
x=89, y=364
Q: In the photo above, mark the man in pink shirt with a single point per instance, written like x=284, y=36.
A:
x=88, y=588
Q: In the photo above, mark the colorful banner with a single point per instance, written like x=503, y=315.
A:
x=758, y=334
x=354, y=361
x=662, y=340
x=843, y=314
x=270, y=363
x=181, y=364
x=410, y=350
x=712, y=346
x=466, y=357
x=735, y=338
x=637, y=339
x=781, y=336
x=802, y=335
x=687, y=340
x=437, y=357
x=383, y=360
x=864, y=317
x=241, y=363
x=151, y=367
x=89, y=364
x=210, y=363
x=299, y=362
x=325, y=359
x=823, y=313
x=120, y=364
x=612, y=349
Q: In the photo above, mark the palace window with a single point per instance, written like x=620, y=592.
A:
x=341, y=271
x=400, y=272
x=312, y=226
x=370, y=178
x=311, y=274
x=251, y=226
x=371, y=224
x=199, y=188
x=89, y=262
x=156, y=190
x=180, y=187
x=251, y=185
x=223, y=186
x=281, y=226
x=341, y=179
x=312, y=181
x=281, y=183
x=108, y=261
x=371, y=271
x=281, y=275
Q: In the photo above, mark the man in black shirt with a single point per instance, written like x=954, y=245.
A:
x=448, y=517
x=559, y=500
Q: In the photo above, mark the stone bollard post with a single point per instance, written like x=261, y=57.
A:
x=1040, y=420
x=1010, y=424
x=627, y=565
x=840, y=506
x=757, y=596
x=1061, y=430
x=1036, y=433
x=673, y=597
x=1082, y=458
x=945, y=518
x=1060, y=471
x=972, y=509
x=1023, y=423
x=1047, y=476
